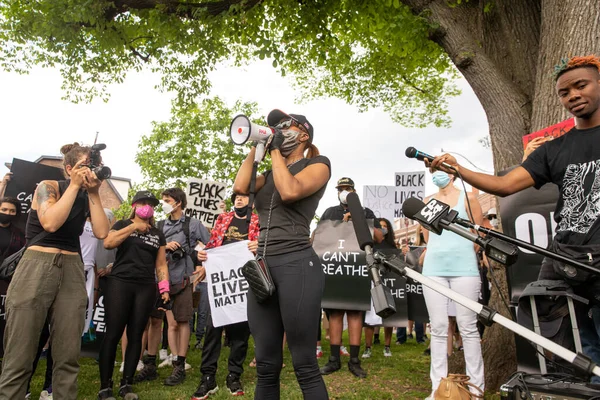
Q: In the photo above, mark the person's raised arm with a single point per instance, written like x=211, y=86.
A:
x=117, y=236
x=53, y=211
x=97, y=215
x=295, y=187
x=515, y=181
x=162, y=270
x=241, y=185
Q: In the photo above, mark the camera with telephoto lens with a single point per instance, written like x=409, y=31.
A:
x=102, y=171
x=177, y=254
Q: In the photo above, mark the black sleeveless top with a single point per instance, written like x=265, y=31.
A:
x=67, y=236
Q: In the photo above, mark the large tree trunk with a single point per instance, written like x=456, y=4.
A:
x=507, y=55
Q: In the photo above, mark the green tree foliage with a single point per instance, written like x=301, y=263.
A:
x=370, y=53
x=194, y=143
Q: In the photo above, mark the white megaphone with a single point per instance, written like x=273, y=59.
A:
x=242, y=130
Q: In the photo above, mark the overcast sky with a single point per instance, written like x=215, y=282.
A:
x=368, y=147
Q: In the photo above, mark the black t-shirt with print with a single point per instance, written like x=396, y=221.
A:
x=5, y=236
x=136, y=256
x=572, y=162
x=237, y=231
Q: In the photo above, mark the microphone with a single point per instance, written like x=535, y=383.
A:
x=383, y=301
x=436, y=216
x=411, y=152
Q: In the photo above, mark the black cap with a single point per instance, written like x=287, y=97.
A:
x=145, y=195
x=276, y=116
x=345, y=182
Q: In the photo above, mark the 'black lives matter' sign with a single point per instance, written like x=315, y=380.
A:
x=203, y=198
x=347, y=282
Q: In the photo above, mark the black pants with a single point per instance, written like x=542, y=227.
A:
x=237, y=334
x=125, y=304
x=293, y=309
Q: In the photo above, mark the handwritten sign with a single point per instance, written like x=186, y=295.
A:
x=203, y=198
x=408, y=184
x=555, y=131
x=381, y=200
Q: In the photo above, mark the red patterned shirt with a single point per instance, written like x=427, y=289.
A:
x=223, y=221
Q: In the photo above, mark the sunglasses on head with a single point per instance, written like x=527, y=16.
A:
x=290, y=122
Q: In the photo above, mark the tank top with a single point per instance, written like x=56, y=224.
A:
x=449, y=254
x=67, y=236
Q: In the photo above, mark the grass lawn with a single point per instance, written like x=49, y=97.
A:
x=405, y=375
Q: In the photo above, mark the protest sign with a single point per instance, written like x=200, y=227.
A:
x=203, y=198
x=555, y=131
x=92, y=338
x=408, y=184
x=381, y=200
x=227, y=287
x=24, y=180
x=347, y=282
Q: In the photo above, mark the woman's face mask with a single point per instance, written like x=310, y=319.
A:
x=144, y=212
x=290, y=141
x=441, y=179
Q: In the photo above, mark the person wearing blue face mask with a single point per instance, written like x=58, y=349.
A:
x=451, y=261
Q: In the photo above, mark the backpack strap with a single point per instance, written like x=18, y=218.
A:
x=160, y=225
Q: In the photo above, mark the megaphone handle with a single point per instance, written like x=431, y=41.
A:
x=260, y=152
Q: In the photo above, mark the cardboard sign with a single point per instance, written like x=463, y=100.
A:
x=555, y=131
x=347, y=282
x=381, y=200
x=203, y=198
x=408, y=184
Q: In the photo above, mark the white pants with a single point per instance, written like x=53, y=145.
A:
x=89, y=287
x=437, y=306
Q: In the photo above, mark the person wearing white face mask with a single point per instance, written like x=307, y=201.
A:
x=451, y=261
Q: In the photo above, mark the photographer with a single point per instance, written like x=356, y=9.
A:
x=49, y=279
x=182, y=234
x=130, y=289
x=286, y=199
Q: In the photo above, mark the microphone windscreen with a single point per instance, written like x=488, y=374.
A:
x=411, y=207
x=410, y=152
x=363, y=234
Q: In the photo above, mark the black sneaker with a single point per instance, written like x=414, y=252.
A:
x=198, y=345
x=356, y=369
x=148, y=373
x=376, y=340
x=410, y=336
x=234, y=385
x=332, y=365
x=126, y=392
x=177, y=376
x=106, y=394
x=208, y=386
x=427, y=352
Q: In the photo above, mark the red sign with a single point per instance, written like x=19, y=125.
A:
x=555, y=130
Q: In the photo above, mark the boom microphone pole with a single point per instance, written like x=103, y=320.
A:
x=486, y=315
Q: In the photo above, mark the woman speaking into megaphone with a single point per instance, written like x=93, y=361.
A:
x=286, y=200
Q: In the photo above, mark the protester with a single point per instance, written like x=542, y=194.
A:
x=355, y=317
x=388, y=243
x=451, y=261
x=52, y=266
x=130, y=291
x=182, y=234
x=570, y=162
x=12, y=238
x=286, y=200
x=229, y=228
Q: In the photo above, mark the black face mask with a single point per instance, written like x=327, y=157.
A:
x=242, y=211
x=7, y=218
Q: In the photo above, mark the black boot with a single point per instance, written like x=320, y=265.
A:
x=178, y=375
x=126, y=390
x=106, y=394
x=148, y=373
x=356, y=369
x=332, y=365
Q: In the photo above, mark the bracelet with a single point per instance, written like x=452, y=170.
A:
x=163, y=286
